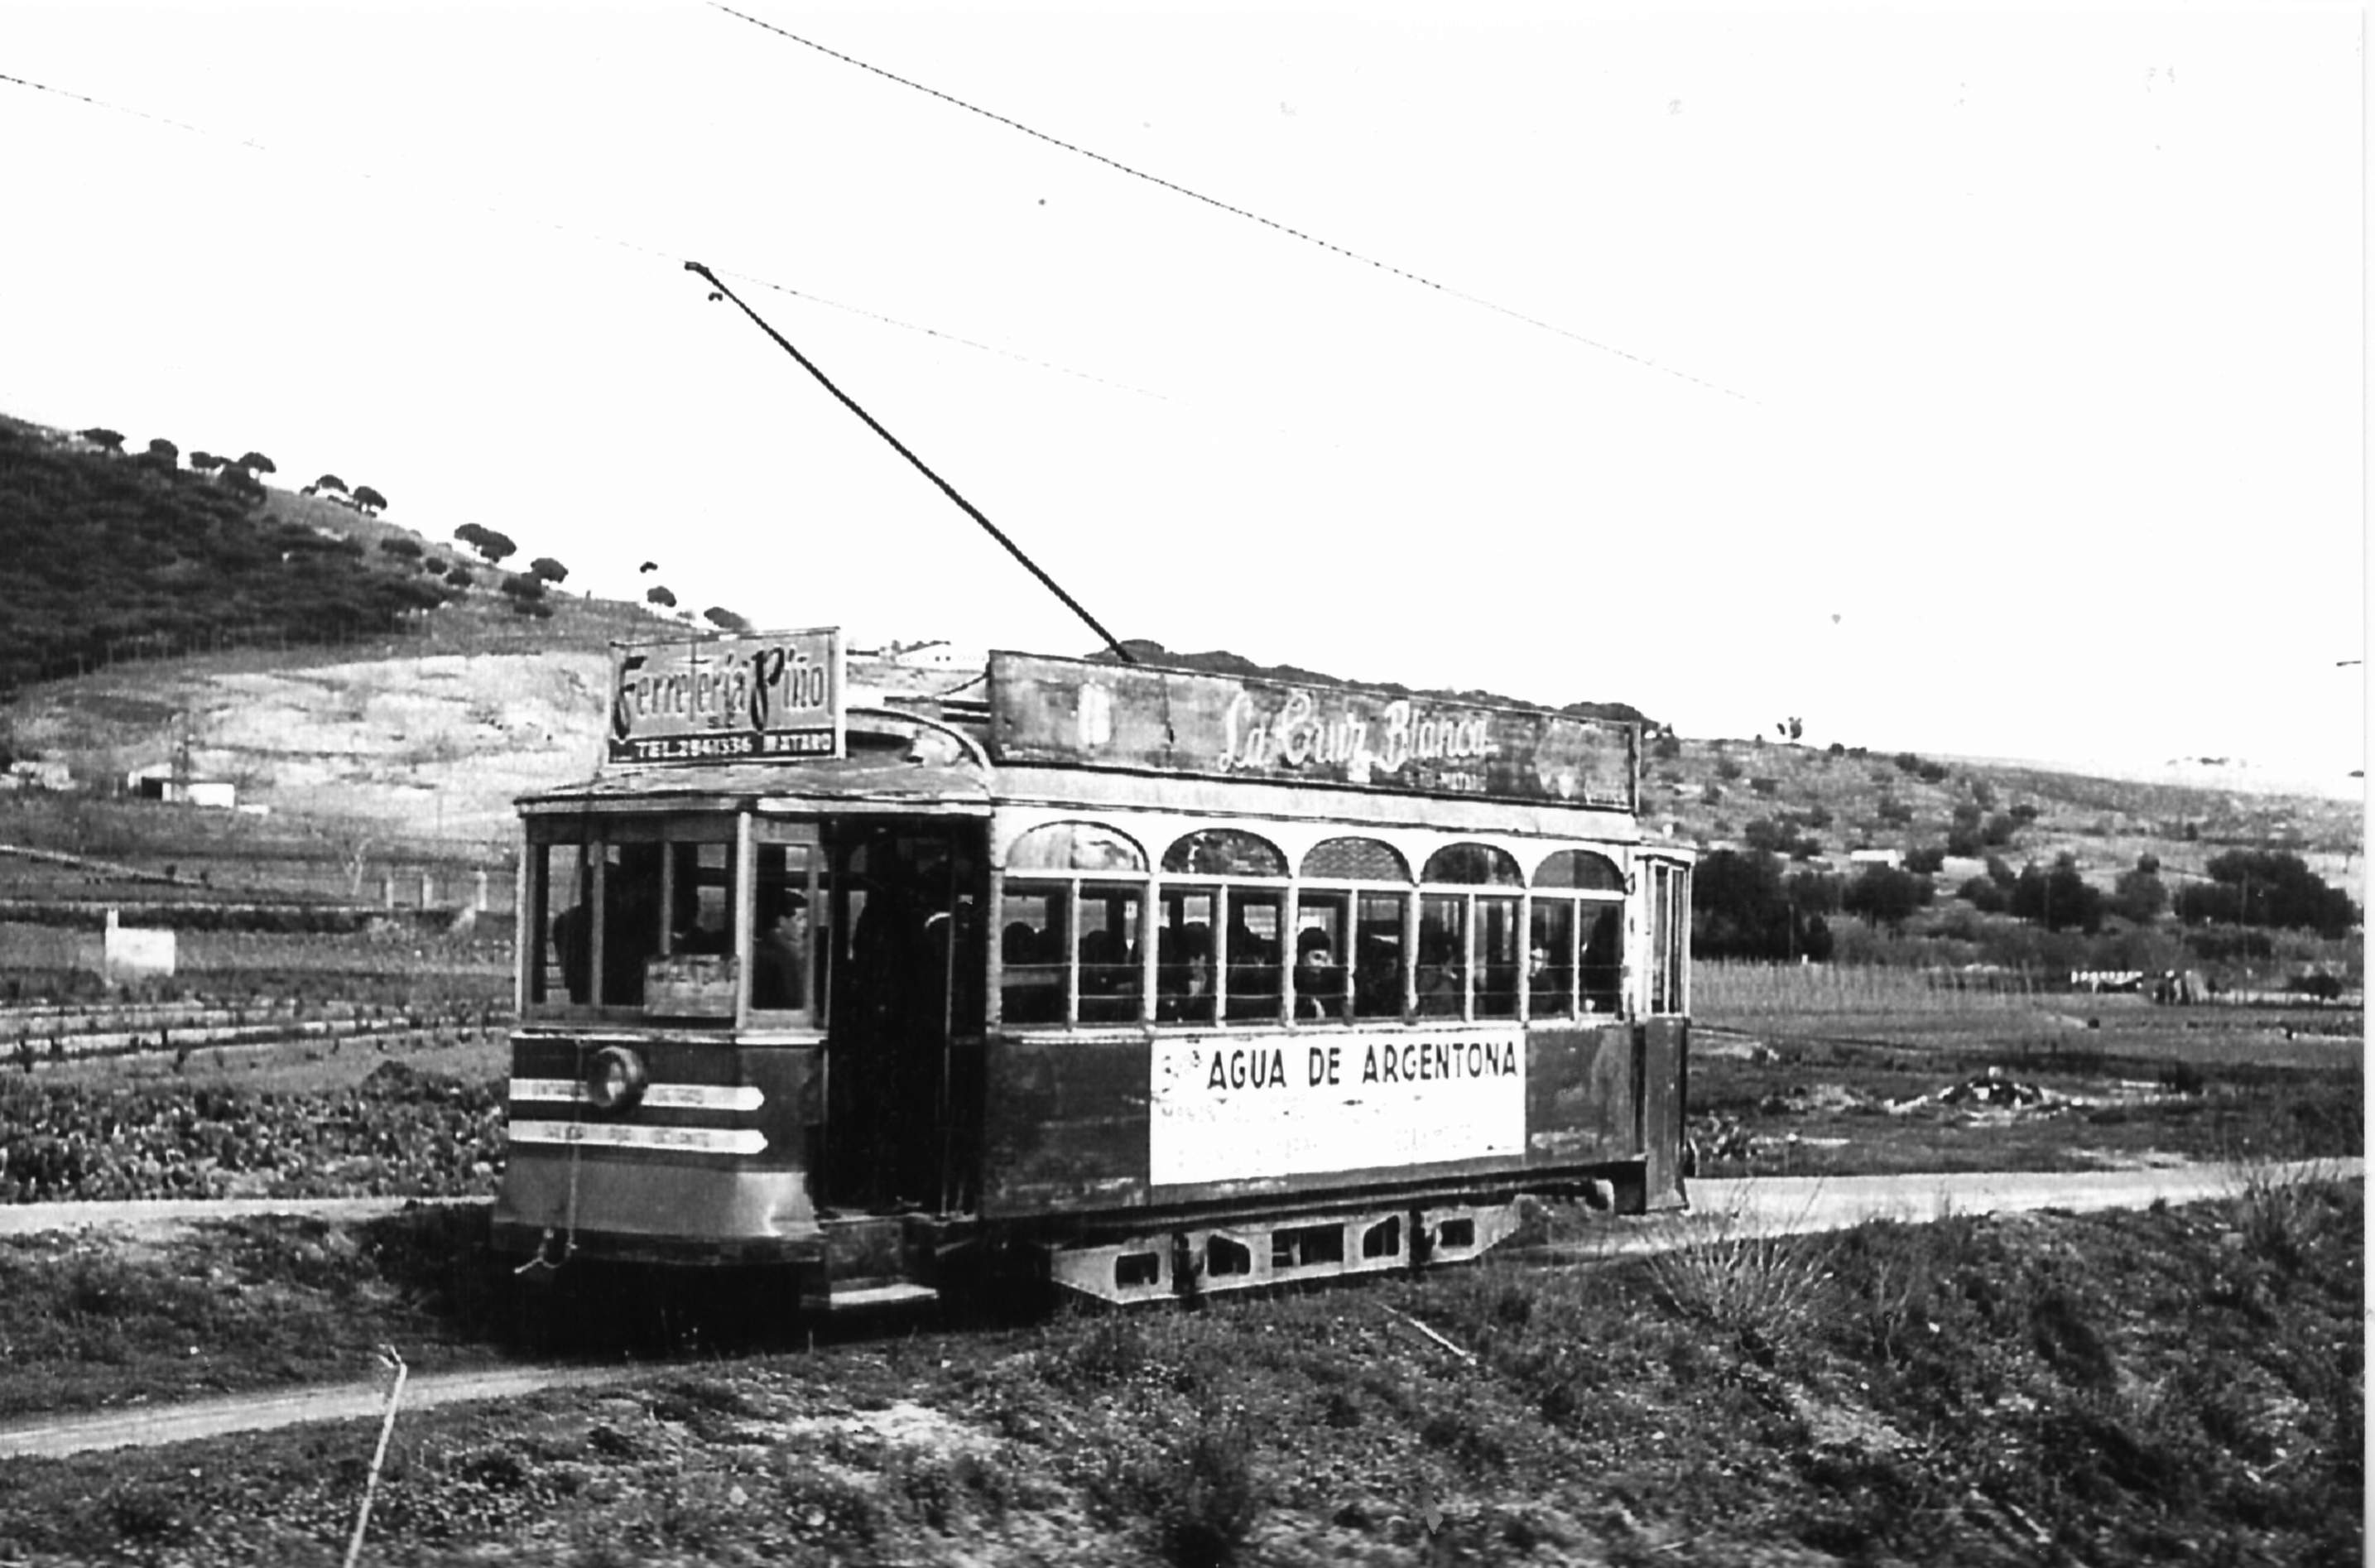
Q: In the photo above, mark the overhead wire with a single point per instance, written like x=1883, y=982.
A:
x=1251, y=216
x=876, y=426
x=114, y=108
x=596, y=236
x=717, y=281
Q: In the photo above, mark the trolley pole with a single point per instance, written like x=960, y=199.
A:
x=992, y=529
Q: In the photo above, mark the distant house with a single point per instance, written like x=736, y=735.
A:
x=28, y=772
x=159, y=782
x=1892, y=858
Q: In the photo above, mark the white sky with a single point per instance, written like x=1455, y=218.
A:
x=1987, y=380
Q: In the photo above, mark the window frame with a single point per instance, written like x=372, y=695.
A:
x=1503, y=901
x=1223, y=886
x=1071, y=883
x=595, y=834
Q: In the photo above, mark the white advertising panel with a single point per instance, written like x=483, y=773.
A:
x=1237, y=1109
x=756, y=697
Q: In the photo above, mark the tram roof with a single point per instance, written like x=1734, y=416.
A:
x=850, y=783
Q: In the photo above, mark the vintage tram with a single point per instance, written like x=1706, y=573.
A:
x=1155, y=979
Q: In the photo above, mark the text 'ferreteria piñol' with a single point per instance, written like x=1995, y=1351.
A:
x=731, y=698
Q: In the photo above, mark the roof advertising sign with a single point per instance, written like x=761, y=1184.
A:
x=1089, y=714
x=763, y=696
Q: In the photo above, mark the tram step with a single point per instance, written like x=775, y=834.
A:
x=851, y=1295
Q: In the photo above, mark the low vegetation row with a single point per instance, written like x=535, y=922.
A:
x=403, y=1132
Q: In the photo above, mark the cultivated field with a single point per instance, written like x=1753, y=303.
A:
x=1830, y=1070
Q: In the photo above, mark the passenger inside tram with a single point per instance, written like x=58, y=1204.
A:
x=779, y=969
x=1440, y=977
x=1319, y=983
x=631, y=923
x=1108, y=979
x=1377, y=977
x=1545, y=982
x=1183, y=975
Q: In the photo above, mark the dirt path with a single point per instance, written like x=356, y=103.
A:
x=1779, y=1205
x=152, y=1218
x=261, y=1412
x=1763, y=1205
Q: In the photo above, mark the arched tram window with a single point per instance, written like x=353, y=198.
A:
x=1350, y=931
x=1469, y=965
x=1056, y=906
x=1349, y=935
x=1222, y=929
x=1575, y=948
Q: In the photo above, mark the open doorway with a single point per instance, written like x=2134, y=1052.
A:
x=907, y=964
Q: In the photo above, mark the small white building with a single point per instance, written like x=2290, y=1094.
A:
x=1892, y=858
x=27, y=773
x=161, y=781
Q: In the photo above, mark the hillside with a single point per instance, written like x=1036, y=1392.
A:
x=367, y=688
x=112, y=556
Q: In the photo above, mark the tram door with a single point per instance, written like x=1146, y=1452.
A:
x=906, y=981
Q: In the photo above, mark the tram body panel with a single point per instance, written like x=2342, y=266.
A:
x=1064, y=1125
x=710, y=1164
x=1583, y=1105
x=1095, y=1127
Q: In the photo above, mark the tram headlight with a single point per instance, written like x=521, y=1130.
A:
x=614, y=1078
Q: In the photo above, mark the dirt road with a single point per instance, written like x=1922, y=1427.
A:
x=155, y=1216
x=1765, y=1206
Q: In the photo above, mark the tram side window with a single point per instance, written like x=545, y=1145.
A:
x=1442, y=956
x=1254, y=954
x=1579, y=922
x=1108, y=946
x=1363, y=927
x=1499, y=964
x=1322, y=979
x=1184, y=989
x=1603, y=957
x=1068, y=938
x=1031, y=923
x=701, y=884
x=1550, y=960
x=632, y=926
x=782, y=946
x=1461, y=932
x=1379, y=970
x=1670, y=926
x=560, y=886
x=1222, y=936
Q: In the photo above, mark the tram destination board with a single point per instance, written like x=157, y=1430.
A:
x=775, y=696
x=1075, y=712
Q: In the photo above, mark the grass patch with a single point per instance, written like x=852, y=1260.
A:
x=243, y=1305
x=1767, y=1290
